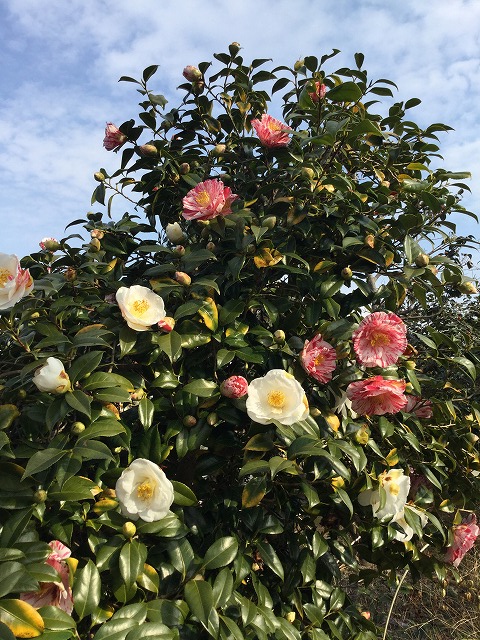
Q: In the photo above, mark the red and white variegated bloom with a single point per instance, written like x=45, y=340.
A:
x=377, y=396
x=114, y=138
x=419, y=407
x=15, y=283
x=234, y=387
x=208, y=200
x=464, y=536
x=271, y=132
x=380, y=339
x=318, y=358
x=58, y=593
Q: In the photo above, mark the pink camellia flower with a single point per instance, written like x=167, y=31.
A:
x=208, y=200
x=271, y=132
x=56, y=594
x=167, y=324
x=114, y=138
x=234, y=387
x=319, y=93
x=419, y=407
x=192, y=73
x=15, y=283
x=380, y=339
x=464, y=536
x=377, y=396
x=318, y=358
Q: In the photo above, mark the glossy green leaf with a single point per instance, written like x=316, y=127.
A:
x=221, y=553
x=87, y=587
x=199, y=597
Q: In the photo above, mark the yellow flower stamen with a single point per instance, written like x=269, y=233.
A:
x=140, y=306
x=273, y=126
x=5, y=276
x=379, y=340
x=202, y=198
x=393, y=489
x=318, y=360
x=276, y=399
x=145, y=490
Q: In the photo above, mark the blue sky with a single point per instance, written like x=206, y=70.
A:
x=61, y=62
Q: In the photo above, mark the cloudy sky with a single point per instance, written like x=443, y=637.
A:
x=61, y=62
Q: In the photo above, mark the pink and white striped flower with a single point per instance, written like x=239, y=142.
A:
x=271, y=132
x=464, y=536
x=15, y=283
x=114, y=138
x=418, y=407
x=380, y=339
x=318, y=358
x=208, y=200
x=58, y=593
x=377, y=396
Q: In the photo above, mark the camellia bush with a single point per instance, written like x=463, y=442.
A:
x=215, y=419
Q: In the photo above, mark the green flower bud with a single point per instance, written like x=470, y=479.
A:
x=279, y=336
x=129, y=530
x=189, y=421
x=77, y=428
x=422, y=260
x=99, y=176
x=40, y=496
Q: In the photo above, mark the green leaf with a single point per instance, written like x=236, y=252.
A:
x=181, y=555
x=146, y=412
x=56, y=619
x=15, y=578
x=171, y=345
x=345, y=92
x=42, y=460
x=5, y=633
x=14, y=527
x=8, y=413
x=254, y=492
x=221, y=553
x=116, y=629
x=87, y=588
x=467, y=364
x=202, y=388
x=131, y=561
x=270, y=558
x=83, y=365
x=74, y=489
x=155, y=630
x=183, y=495
x=199, y=597
x=79, y=401
x=223, y=588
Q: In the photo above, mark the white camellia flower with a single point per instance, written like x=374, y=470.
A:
x=14, y=281
x=140, y=307
x=52, y=377
x=395, y=485
x=277, y=397
x=174, y=233
x=144, y=491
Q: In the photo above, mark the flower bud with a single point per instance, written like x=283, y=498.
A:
x=299, y=64
x=319, y=93
x=234, y=387
x=346, y=273
x=467, y=288
x=138, y=394
x=410, y=364
x=167, y=324
x=369, y=240
x=234, y=48
x=183, y=278
x=179, y=250
x=95, y=244
x=279, y=336
x=99, y=176
x=97, y=233
x=189, y=421
x=212, y=419
x=174, y=233
x=362, y=435
x=422, y=260
x=51, y=377
x=198, y=87
x=114, y=138
x=333, y=421
x=218, y=150
x=269, y=222
x=184, y=168
x=192, y=73
x=210, y=246
x=40, y=496
x=49, y=244
x=129, y=530
x=77, y=428
x=148, y=150
x=290, y=616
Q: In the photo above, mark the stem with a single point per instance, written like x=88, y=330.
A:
x=395, y=595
